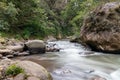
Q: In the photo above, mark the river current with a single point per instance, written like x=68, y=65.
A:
x=75, y=62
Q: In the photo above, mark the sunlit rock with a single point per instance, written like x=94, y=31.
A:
x=35, y=46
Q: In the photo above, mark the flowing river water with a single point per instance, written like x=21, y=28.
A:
x=75, y=62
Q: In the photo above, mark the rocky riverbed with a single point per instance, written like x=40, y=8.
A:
x=13, y=48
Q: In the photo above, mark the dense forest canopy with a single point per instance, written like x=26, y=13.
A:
x=40, y=18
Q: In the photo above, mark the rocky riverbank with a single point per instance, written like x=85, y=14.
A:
x=12, y=48
x=22, y=70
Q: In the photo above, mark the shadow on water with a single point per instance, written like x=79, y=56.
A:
x=74, y=62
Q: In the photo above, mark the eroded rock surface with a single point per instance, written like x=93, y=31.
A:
x=101, y=28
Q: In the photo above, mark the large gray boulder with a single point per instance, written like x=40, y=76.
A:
x=32, y=71
x=101, y=28
x=35, y=46
x=35, y=70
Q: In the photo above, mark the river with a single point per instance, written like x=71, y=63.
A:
x=75, y=62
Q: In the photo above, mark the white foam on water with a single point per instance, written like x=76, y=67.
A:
x=116, y=75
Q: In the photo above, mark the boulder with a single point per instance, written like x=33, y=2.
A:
x=6, y=52
x=33, y=69
x=101, y=28
x=52, y=49
x=35, y=46
x=18, y=48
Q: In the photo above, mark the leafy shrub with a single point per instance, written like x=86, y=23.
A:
x=13, y=70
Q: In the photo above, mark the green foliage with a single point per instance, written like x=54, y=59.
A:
x=13, y=70
x=75, y=11
x=7, y=15
x=40, y=18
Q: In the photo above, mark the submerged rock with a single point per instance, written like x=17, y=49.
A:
x=101, y=28
x=52, y=48
x=35, y=46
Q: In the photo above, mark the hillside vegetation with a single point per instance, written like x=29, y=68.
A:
x=41, y=18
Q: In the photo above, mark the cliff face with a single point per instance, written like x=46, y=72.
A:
x=101, y=28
